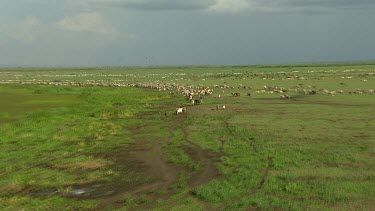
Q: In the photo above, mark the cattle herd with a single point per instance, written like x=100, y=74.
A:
x=190, y=91
x=193, y=93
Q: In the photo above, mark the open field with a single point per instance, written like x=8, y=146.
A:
x=109, y=138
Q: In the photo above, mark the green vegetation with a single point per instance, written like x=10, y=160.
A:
x=50, y=149
x=124, y=148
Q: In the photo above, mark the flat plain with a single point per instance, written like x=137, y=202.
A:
x=284, y=137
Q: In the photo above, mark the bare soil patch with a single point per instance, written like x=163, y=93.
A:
x=147, y=157
x=144, y=155
x=206, y=158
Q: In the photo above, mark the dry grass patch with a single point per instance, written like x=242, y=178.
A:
x=11, y=189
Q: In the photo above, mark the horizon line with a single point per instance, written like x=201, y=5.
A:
x=325, y=63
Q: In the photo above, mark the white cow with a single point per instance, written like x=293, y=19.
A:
x=180, y=110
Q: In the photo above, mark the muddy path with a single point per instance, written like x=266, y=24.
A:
x=144, y=155
x=142, y=159
x=154, y=176
x=147, y=156
x=206, y=158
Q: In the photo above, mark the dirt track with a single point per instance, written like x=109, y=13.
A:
x=146, y=156
x=206, y=158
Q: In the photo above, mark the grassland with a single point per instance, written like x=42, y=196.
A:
x=100, y=146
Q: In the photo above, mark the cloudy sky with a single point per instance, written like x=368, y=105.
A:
x=184, y=32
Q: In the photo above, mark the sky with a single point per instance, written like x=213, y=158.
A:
x=184, y=32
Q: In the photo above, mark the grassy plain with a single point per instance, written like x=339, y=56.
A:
x=67, y=147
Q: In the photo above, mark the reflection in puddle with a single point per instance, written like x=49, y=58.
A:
x=94, y=191
x=77, y=192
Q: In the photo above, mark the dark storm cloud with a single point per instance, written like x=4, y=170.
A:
x=316, y=6
x=158, y=4
x=259, y=5
x=327, y=3
x=179, y=32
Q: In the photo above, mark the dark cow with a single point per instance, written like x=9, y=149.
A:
x=235, y=94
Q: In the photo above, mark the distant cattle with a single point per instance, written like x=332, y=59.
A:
x=312, y=92
x=248, y=94
x=218, y=107
x=284, y=97
x=236, y=94
x=197, y=101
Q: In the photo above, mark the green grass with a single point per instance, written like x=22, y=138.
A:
x=54, y=148
x=321, y=146
x=240, y=166
x=4, y=115
x=48, y=203
x=18, y=102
